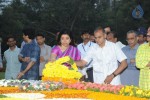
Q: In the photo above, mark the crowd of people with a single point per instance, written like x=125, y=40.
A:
x=101, y=58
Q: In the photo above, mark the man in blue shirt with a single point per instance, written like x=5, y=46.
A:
x=130, y=76
x=29, y=56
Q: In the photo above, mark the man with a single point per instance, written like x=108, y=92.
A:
x=83, y=48
x=45, y=52
x=130, y=76
x=148, y=30
x=141, y=35
x=112, y=37
x=92, y=38
x=107, y=29
x=11, y=58
x=105, y=58
x=29, y=56
x=143, y=63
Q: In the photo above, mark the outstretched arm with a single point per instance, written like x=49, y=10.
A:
x=80, y=63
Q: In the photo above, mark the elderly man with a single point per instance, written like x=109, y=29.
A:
x=130, y=75
x=143, y=63
x=105, y=56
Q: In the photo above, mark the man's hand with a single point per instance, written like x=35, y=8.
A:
x=42, y=59
x=20, y=75
x=108, y=79
x=132, y=61
x=26, y=59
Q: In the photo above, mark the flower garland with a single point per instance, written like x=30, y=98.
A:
x=67, y=93
x=108, y=96
x=57, y=70
x=9, y=90
x=42, y=86
x=134, y=91
x=76, y=90
x=96, y=87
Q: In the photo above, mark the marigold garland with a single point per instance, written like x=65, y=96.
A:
x=57, y=79
x=57, y=71
x=9, y=90
x=108, y=96
x=67, y=93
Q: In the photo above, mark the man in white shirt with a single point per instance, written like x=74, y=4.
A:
x=83, y=48
x=13, y=64
x=105, y=58
x=112, y=37
x=45, y=52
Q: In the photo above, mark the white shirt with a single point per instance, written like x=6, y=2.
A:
x=45, y=52
x=83, y=50
x=105, y=61
x=13, y=64
x=120, y=45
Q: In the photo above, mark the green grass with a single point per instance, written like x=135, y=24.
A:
x=2, y=74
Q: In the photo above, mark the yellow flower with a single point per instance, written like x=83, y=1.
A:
x=56, y=69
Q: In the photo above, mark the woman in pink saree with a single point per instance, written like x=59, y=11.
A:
x=65, y=47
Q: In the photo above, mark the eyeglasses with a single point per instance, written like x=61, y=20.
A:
x=128, y=39
x=148, y=36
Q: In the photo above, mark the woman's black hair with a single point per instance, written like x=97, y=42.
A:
x=65, y=32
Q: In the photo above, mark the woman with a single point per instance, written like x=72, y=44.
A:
x=65, y=47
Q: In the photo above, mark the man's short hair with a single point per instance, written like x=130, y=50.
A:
x=99, y=29
x=30, y=32
x=11, y=36
x=132, y=31
x=115, y=35
x=40, y=34
x=85, y=32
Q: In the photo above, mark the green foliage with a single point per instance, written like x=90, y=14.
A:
x=50, y=16
x=3, y=96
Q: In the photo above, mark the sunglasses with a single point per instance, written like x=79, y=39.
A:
x=148, y=36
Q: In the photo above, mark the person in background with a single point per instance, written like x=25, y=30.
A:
x=92, y=38
x=148, y=30
x=112, y=37
x=45, y=52
x=105, y=56
x=65, y=47
x=87, y=71
x=141, y=35
x=107, y=29
x=13, y=64
x=143, y=63
x=130, y=76
x=29, y=56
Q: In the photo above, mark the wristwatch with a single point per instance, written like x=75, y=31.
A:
x=114, y=74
